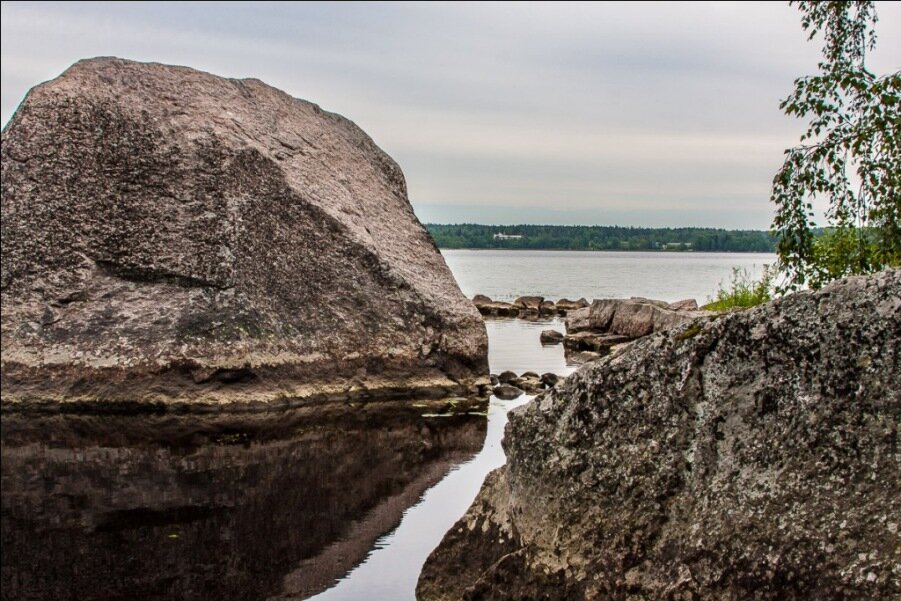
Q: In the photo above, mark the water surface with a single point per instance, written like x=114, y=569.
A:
x=392, y=568
x=248, y=506
x=668, y=276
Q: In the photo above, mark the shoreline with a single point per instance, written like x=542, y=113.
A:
x=180, y=408
x=623, y=251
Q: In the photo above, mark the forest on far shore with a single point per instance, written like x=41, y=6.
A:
x=600, y=237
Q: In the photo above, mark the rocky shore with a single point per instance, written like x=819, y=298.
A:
x=172, y=238
x=594, y=329
x=606, y=323
x=747, y=455
x=526, y=306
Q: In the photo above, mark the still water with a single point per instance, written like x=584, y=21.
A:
x=269, y=505
x=342, y=502
x=669, y=276
x=392, y=568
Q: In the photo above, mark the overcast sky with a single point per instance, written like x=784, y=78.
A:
x=615, y=113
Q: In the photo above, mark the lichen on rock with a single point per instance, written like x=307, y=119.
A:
x=756, y=458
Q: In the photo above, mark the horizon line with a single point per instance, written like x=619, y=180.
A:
x=635, y=227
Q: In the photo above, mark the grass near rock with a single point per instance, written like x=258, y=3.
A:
x=743, y=292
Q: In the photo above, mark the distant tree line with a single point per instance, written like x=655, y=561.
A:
x=600, y=237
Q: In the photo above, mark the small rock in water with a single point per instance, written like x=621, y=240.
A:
x=590, y=341
x=551, y=337
x=564, y=304
x=529, y=303
x=532, y=386
x=506, y=392
x=494, y=380
x=507, y=377
x=550, y=379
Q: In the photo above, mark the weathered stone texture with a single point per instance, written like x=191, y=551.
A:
x=750, y=456
x=169, y=235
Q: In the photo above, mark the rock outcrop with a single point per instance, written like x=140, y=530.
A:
x=753, y=455
x=594, y=330
x=633, y=317
x=171, y=236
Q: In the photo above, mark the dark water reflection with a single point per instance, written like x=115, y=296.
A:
x=213, y=507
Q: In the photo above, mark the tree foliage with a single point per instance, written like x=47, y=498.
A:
x=601, y=237
x=849, y=155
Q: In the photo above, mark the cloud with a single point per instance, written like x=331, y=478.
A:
x=584, y=111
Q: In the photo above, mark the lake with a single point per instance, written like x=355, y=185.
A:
x=669, y=276
x=338, y=504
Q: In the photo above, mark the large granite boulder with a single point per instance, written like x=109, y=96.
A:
x=172, y=236
x=751, y=456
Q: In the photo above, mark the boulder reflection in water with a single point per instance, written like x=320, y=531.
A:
x=204, y=507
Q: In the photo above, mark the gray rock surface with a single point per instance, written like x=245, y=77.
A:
x=578, y=320
x=750, y=456
x=688, y=304
x=172, y=236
